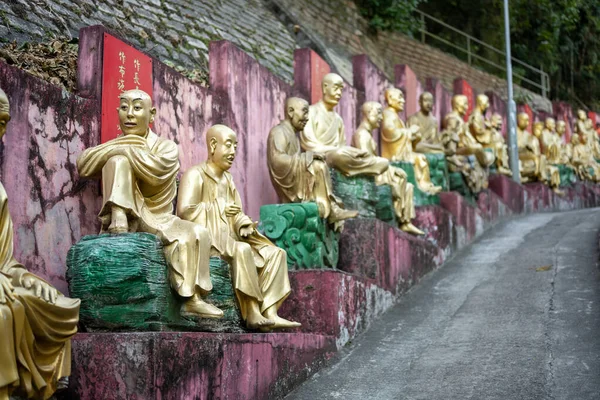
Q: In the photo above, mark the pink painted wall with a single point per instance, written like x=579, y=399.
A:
x=442, y=99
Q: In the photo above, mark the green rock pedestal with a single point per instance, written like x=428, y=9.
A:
x=567, y=175
x=420, y=198
x=122, y=281
x=438, y=168
x=458, y=184
x=362, y=194
x=307, y=238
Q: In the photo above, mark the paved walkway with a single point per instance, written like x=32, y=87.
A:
x=515, y=316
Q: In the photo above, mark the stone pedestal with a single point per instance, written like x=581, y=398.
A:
x=567, y=175
x=122, y=281
x=306, y=237
x=511, y=193
x=457, y=183
x=362, y=194
x=420, y=198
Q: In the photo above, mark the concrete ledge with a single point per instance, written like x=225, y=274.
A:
x=511, y=193
x=469, y=221
x=439, y=226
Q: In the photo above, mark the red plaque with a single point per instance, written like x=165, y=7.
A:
x=123, y=68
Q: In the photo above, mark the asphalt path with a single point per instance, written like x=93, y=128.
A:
x=514, y=316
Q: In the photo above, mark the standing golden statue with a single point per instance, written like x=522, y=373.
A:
x=36, y=321
x=397, y=141
x=429, y=140
x=458, y=148
x=301, y=176
x=402, y=190
x=208, y=196
x=139, y=172
x=324, y=134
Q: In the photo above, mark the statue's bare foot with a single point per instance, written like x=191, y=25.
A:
x=340, y=214
x=118, y=222
x=558, y=191
x=257, y=321
x=433, y=189
x=196, y=307
x=505, y=171
x=410, y=228
x=282, y=323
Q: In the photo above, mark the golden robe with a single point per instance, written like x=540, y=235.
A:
x=478, y=130
x=534, y=165
x=428, y=128
x=551, y=146
x=583, y=160
x=35, y=336
x=259, y=268
x=296, y=175
x=396, y=145
x=402, y=190
x=324, y=133
x=139, y=175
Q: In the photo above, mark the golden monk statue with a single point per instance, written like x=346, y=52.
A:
x=533, y=165
x=583, y=159
x=428, y=141
x=592, y=138
x=551, y=143
x=397, y=141
x=324, y=134
x=499, y=145
x=565, y=149
x=36, y=321
x=454, y=131
x=139, y=171
x=479, y=136
x=301, y=176
x=402, y=190
x=207, y=196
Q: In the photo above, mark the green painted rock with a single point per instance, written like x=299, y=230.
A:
x=420, y=198
x=458, y=184
x=438, y=168
x=567, y=175
x=122, y=281
x=302, y=233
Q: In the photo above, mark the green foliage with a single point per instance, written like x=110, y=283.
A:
x=561, y=36
x=390, y=15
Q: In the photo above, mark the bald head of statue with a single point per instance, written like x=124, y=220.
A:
x=296, y=111
x=426, y=102
x=483, y=102
x=221, y=142
x=395, y=98
x=460, y=104
x=135, y=112
x=332, y=86
x=523, y=121
x=4, y=112
x=372, y=112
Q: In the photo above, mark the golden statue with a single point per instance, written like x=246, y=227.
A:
x=301, y=176
x=592, y=138
x=324, y=134
x=138, y=171
x=499, y=145
x=551, y=143
x=402, y=190
x=479, y=134
x=428, y=141
x=36, y=321
x=583, y=159
x=533, y=165
x=566, y=151
x=454, y=131
x=397, y=141
x=207, y=196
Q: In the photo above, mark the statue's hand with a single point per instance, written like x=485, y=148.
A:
x=247, y=230
x=319, y=156
x=40, y=288
x=414, y=129
x=6, y=289
x=232, y=210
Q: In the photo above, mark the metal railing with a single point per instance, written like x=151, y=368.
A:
x=542, y=83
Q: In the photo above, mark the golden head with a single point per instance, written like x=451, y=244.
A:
x=589, y=124
x=372, y=112
x=460, y=104
x=426, y=102
x=221, y=142
x=523, y=121
x=296, y=111
x=4, y=112
x=332, y=86
x=561, y=127
x=581, y=115
x=537, y=129
x=395, y=99
x=497, y=121
x=483, y=102
x=135, y=112
x=550, y=124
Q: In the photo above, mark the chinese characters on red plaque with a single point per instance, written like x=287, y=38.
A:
x=123, y=68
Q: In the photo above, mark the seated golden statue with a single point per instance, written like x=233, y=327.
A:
x=402, y=190
x=499, y=145
x=428, y=141
x=454, y=127
x=324, y=134
x=583, y=159
x=208, y=196
x=565, y=149
x=533, y=165
x=478, y=135
x=36, y=321
x=301, y=176
x=551, y=144
x=139, y=171
x=592, y=135
x=397, y=141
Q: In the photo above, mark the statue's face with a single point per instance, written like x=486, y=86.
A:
x=375, y=116
x=581, y=115
x=4, y=118
x=589, y=124
x=523, y=121
x=223, y=147
x=484, y=103
x=332, y=89
x=396, y=100
x=561, y=127
x=462, y=105
x=497, y=122
x=550, y=124
x=298, y=115
x=427, y=103
x=537, y=129
x=135, y=113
